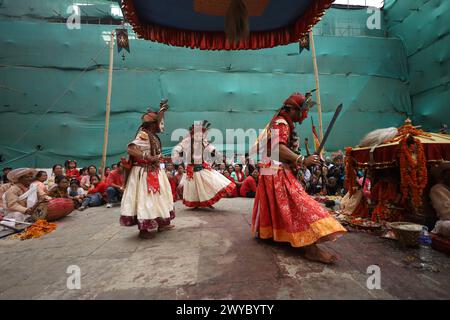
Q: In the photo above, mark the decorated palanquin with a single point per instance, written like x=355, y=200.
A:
x=398, y=169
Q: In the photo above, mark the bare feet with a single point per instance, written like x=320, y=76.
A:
x=146, y=235
x=165, y=228
x=317, y=254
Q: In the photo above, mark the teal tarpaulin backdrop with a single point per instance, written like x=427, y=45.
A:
x=53, y=80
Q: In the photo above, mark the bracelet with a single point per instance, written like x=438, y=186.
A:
x=302, y=159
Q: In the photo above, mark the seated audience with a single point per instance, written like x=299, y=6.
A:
x=85, y=179
x=96, y=195
x=106, y=173
x=222, y=167
x=234, y=193
x=60, y=190
x=57, y=170
x=71, y=170
x=332, y=186
x=180, y=176
x=116, y=185
x=238, y=176
x=20, y=198
x=170, y=171
x=249, y=186
x=39, y=181
x=76, y=193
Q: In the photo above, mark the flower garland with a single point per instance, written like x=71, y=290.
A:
x=350, y=172
x=37, y=230
x=413, y=170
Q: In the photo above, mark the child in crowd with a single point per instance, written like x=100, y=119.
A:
x=85, y=179
x=71, y=170
x=96, y=195
x=76, y=193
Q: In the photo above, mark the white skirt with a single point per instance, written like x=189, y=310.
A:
x=146, y=209
x=205, y=188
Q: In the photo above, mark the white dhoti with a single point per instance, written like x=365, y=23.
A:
x=205, y=188
x=149, y=210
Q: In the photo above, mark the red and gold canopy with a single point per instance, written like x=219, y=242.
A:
x=200, y=23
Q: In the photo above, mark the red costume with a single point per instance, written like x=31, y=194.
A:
x=72, y=173
x=249, y=185
x=282, y=209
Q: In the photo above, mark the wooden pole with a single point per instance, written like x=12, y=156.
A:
x=108, y=103
x=316, y=76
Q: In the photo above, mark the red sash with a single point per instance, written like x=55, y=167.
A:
x=152, y=176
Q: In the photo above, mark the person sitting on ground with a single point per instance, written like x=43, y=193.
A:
x=106, y=173
x=60, y=191
x=96, y=195
x=238, y=176
x=332, y=186
x=116, y=185
x=85, y=179
x=71, y=170
x=249, y=186
x=249, y=165
x=234, y=193
x=222, y=167
x=76, y=193
x=114, y=167
x=57, y=170
x=39, y=181
x=20, y=198
x=180, y=176
x=170, y=171
x=230, y=169
x=440, y=200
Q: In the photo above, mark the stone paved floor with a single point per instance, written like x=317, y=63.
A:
x=210, y=255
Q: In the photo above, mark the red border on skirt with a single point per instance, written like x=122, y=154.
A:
x=146, y=224
x=219, y=195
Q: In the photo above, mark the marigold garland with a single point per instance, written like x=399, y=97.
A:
x=38, y=229
x=413, y=171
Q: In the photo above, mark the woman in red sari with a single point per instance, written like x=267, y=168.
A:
x=282, y=209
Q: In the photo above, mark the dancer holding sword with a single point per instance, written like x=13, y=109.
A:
x=282, y=209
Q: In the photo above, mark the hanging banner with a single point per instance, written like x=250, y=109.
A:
x=122, y=40
x=303, y=43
